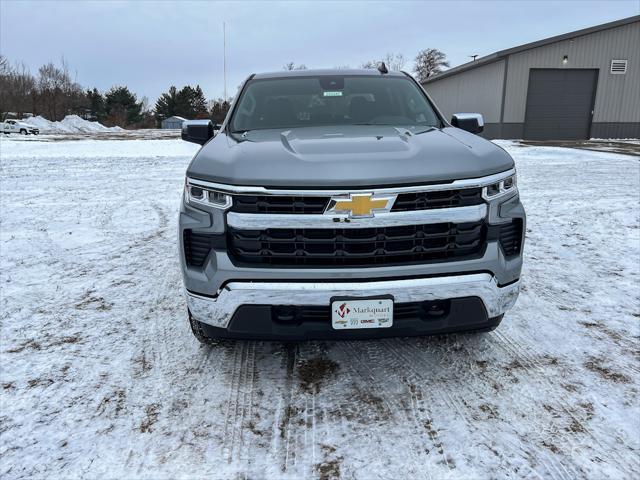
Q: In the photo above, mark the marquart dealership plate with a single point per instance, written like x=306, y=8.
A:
x=351, y=313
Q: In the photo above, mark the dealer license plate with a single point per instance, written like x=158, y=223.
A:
x=352, y=313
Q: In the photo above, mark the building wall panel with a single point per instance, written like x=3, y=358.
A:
x=478, y=91
x=617, y=96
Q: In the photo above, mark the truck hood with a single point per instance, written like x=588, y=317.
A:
x=347, y=156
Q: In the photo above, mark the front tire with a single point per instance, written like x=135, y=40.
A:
x=24, y=132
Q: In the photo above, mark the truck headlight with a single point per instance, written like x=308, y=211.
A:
x=498, y=189
x=198, y=194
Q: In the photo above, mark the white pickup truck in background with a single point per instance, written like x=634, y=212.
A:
x=16, y=126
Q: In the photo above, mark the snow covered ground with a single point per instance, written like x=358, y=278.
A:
x=101, y=377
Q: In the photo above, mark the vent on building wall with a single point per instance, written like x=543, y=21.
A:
x=619, y=67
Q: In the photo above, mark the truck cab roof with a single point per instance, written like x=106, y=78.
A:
x=326, y=72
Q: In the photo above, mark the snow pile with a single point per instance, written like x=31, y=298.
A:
x=69, y=124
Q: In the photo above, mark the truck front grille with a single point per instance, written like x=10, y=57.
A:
x=357, y=247
x=317, y=205
x=278, y=204
x=445, y=199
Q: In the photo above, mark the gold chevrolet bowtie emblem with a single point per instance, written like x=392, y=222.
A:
x=360, y=205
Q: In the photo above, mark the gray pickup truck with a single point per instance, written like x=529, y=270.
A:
x=340, y=204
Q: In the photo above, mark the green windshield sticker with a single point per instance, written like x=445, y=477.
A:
x=332, y=94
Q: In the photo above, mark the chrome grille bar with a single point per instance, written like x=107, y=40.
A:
x=458, y=184
x=261, y=221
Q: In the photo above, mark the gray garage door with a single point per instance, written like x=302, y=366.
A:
x=559, y=104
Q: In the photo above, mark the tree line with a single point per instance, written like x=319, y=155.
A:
x=54, y=93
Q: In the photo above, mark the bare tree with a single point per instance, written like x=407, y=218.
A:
x=16, y=86
x=293, y=66
x=5, y=68
x=51, y=85
x=393, y=61
x=429, y=62
x=5, y=86
x=57, y=94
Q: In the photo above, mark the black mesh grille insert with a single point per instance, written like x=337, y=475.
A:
x=362, y=247
x=278, y=204
x=317, y=205
x=444, y=199
x=511, y=237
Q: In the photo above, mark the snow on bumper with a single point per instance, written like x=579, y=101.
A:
x=218, y=311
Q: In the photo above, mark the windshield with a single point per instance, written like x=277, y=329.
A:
x=332, y=100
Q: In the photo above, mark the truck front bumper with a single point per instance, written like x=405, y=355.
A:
x=220, y=310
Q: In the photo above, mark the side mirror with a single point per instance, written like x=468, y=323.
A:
x=471, y=122
x=197, y=131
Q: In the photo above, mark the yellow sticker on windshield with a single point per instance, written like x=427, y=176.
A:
x=332, y=94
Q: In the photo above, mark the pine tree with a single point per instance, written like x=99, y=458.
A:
x=122, y=107
x=199, y=103
x=166, y=104
x=184, y=102
x=218, y=111
x=96, y=104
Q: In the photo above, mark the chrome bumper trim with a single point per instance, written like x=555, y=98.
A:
x=218, y=311
x=457, y=184
x=261, y=221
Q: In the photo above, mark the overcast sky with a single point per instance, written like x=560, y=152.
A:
x=151, y=45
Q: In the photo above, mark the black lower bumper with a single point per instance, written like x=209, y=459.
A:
x=267, y=322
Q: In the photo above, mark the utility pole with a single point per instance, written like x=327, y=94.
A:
x=224, y=54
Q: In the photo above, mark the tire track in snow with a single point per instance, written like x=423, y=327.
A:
x=537, y=370
x=285, y=423
x=244, y=439
x=384, y=356
x=413, y=358
x=239, y=402
x=396, y=348
x=300, y=411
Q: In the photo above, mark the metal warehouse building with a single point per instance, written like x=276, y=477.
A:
x=583, y=84
x=173, y=122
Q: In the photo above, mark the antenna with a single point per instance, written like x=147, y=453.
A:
x=474, y=57
x=224, y=54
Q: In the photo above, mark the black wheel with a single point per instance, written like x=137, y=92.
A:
x=205, y=337
x=24, y=132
